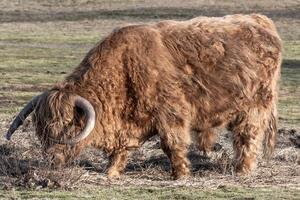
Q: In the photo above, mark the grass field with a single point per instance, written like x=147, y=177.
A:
x=41, y=41
x=151, y=193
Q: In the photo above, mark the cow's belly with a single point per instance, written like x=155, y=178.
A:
x=214, y=118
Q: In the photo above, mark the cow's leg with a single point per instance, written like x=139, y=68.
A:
x=206, y=140
x=178, y=159
x=248, y=130
x=117, y=163
x=174, y=143
x=270, y=132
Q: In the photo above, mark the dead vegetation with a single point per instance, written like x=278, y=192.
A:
x=22, y=164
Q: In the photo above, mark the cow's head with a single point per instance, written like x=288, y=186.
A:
x=62, y=121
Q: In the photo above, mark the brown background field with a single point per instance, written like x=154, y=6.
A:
x=41, y=41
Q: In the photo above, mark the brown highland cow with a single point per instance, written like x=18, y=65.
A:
x=166, y=79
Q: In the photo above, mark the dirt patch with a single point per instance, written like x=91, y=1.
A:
x=288, y=138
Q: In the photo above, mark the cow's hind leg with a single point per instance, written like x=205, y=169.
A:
x=270, y=132
x=118, y=160
x=248, y=130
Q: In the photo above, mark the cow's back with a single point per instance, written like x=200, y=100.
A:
x=225, y=63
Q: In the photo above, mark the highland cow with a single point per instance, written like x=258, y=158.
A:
x=166, y=79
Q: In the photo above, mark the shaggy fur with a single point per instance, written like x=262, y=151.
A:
x=166, y=79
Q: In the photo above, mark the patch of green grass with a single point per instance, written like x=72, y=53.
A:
x=35, y=59
x=152, y=193
x=290, y=75
x=32, y=78
x=12, y=101
x=291, y=49
x=36, y=66
x=289, y=106
x=53, y=38
x=289, y=111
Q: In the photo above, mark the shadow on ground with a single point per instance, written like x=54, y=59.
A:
x=198, y=162
x=292, y=64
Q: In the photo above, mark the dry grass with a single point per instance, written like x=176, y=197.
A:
x=21, y=164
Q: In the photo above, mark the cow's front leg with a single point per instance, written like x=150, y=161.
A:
x=177, y=156
x=174, y=142
x=117, y=160
x=174, y=130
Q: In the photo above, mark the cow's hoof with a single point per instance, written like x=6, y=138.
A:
x=113, y=174
x=242, y=171
x=182, y=175
x=246, y=167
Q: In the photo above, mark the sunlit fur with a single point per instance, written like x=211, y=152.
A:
x=168, y=78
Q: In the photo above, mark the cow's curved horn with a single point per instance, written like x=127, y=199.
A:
x=89, y=111
x=18, y=121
